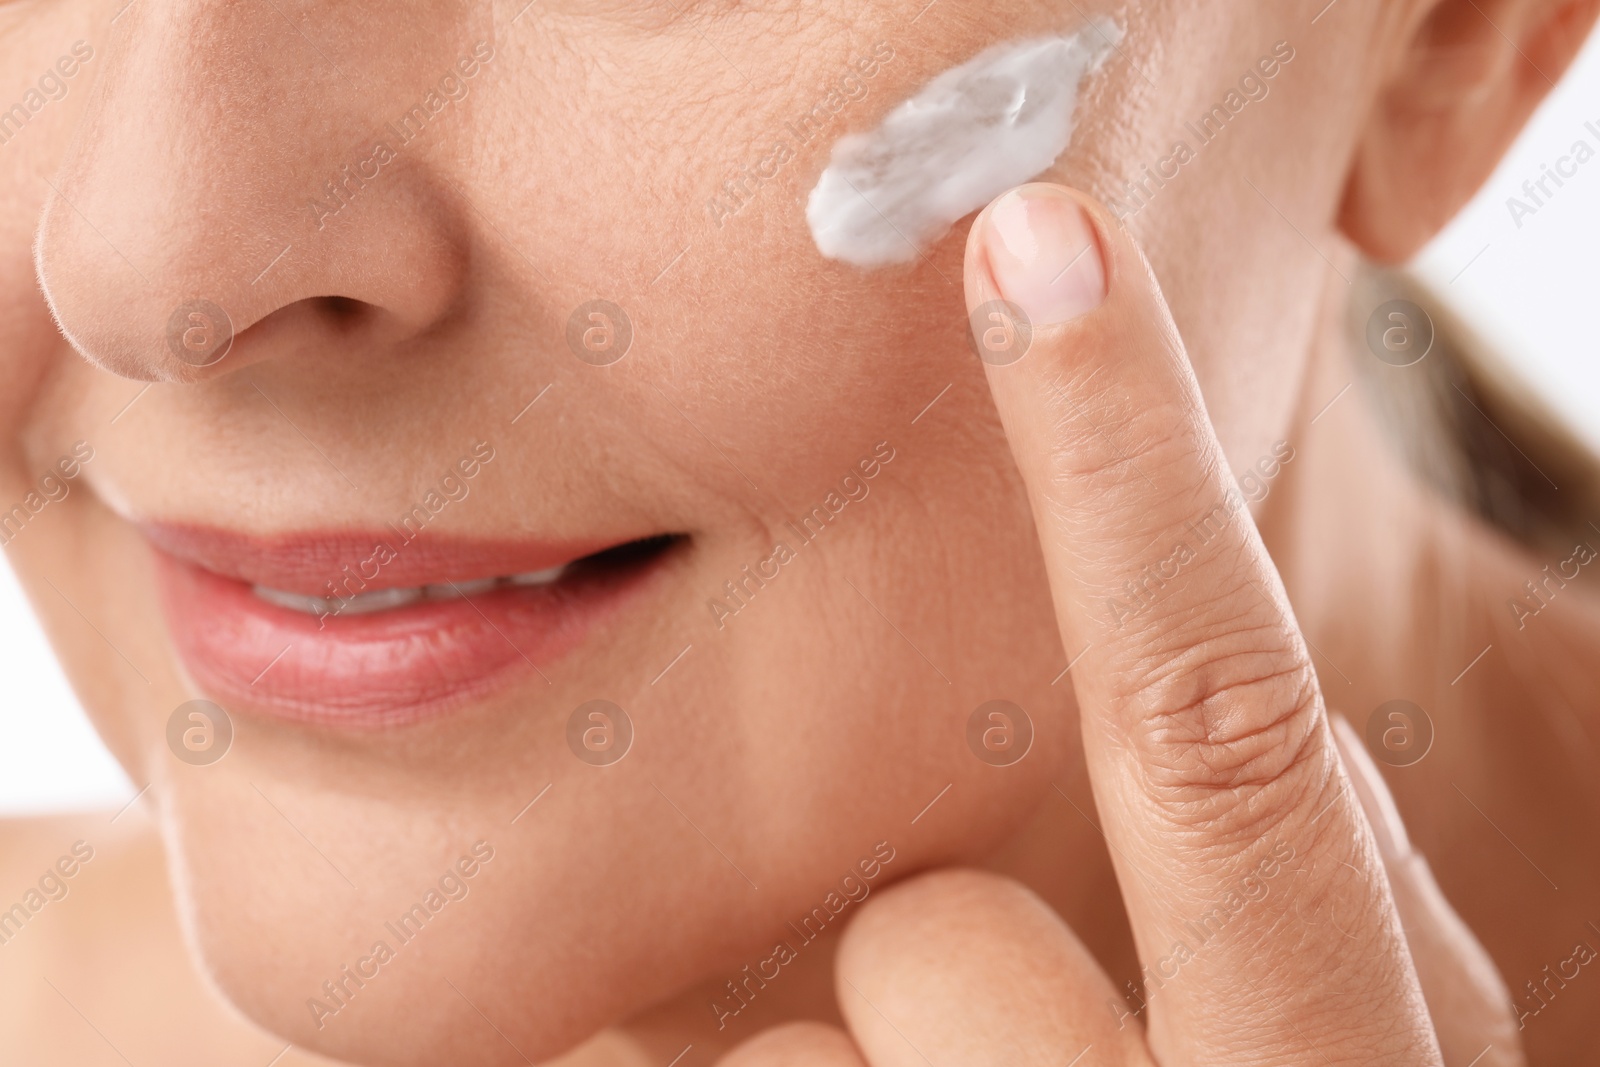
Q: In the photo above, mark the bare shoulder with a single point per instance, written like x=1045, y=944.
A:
x=93, y=966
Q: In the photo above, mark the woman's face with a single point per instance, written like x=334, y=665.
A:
x=419, y=391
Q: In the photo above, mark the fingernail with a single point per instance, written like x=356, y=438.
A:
x=1044, y=255
x=1372, y=792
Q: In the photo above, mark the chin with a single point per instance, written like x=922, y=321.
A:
x=489, y=990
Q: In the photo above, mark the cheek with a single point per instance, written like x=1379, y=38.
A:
x=795, y=367
x=859, y=701
x=849, y=679
x=854, y=673
x=875, y=205
x=1248, y=352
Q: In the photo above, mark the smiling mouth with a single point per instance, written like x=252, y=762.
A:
x=346, y=630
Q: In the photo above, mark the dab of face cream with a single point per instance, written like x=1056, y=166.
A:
x=973, y=132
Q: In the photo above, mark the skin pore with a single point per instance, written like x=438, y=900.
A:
x=374, y=345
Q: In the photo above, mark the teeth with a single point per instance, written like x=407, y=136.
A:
x=451, y=590
x=311, y=605
x=384, y=599
x=544, y=577
x=378, y=600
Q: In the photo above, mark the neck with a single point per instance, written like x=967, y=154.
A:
x=1406, y=596
x=1376, y=566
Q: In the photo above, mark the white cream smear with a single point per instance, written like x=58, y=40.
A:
x=973, y=132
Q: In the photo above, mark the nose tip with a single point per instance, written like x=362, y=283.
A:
x=199, y=332
x=175, y=320
x=199, y=311
x=193, y=205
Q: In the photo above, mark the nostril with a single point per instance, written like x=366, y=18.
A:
x=349, y=318
x=342, y=311
x=334, y=316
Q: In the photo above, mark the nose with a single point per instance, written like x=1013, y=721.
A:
x=246, y=184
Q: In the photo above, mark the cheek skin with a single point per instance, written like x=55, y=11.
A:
x=604, y=853
x=1249, y=352
x=953, y=147
x=829, y=713
x=570, y=875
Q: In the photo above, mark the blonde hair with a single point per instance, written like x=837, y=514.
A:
x=1472, y=428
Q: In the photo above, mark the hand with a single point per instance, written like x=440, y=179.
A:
x=1256, y=889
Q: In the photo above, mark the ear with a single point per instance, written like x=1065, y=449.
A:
x=1456, y=97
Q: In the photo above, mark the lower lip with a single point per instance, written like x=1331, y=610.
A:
x=383, y=669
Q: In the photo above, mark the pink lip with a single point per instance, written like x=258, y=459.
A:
x=385, y=668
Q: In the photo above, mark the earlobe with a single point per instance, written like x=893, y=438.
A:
x=1457, y=97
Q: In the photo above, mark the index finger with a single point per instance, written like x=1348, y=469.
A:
x=1259, y=904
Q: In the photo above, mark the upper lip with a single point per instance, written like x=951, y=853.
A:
x=311, y=564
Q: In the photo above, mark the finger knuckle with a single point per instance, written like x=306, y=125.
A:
x=1224, y=730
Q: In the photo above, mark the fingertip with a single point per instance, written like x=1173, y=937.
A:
x=1038, y=247
x=926, y=970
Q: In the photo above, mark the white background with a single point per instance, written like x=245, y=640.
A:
x=1534, y=290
